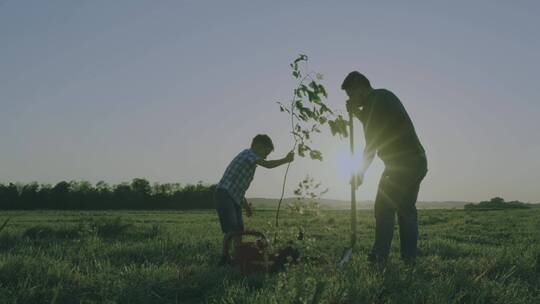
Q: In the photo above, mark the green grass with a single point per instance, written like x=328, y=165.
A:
x=171, y=257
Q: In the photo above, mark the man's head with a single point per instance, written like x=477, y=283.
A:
x=262, y=145
x=357, y=87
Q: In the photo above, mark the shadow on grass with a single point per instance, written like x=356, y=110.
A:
x=183, y=284
x=117, y=228
x=114, y=228
x=448, y=249
x=47, y=232
x=39, y=279
x=8, y=241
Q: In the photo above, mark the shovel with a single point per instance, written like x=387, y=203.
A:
x=347, y=253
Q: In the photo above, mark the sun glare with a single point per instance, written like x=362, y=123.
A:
x=347, y=163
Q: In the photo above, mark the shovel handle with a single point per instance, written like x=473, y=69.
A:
x=353, y=184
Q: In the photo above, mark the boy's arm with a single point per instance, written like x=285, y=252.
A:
x=277, y=162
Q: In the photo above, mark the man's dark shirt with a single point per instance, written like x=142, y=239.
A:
x=388, y=129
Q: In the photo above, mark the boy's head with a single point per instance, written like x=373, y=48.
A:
x=262, y=145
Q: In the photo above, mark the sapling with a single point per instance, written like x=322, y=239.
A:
x=306, y=203
x=308, y=113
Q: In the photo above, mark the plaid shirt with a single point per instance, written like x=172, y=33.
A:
x=239, y=175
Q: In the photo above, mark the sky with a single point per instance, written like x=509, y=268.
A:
x=171, y=91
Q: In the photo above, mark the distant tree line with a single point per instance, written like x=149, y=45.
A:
x=82, y=195
x=498, y=203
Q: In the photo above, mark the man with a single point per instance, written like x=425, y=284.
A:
x=389, y=133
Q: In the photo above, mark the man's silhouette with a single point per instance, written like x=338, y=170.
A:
x=389, y=133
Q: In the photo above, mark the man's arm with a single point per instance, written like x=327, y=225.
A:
x=269, y=164
x=369, y=153
x=370, y=148
x=368, y=157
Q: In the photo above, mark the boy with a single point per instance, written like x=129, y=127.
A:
x=230, y=190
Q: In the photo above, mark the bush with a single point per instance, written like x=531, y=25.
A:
x=497, y=203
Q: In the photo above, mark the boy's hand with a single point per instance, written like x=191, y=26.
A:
x=249, y=208
x=290, y=157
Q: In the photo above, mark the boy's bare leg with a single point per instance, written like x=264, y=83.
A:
x=237, y=240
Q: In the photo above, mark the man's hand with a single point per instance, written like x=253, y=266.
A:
x=351, y=107
x=290, y=157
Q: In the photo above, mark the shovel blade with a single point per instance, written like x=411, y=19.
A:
x=345, y=257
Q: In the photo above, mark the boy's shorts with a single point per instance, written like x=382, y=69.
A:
x=229, y=212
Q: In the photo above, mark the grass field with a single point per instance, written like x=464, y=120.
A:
x=171, y=257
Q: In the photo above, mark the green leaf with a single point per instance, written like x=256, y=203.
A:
x=313, y=97
x=301, y=57
x=306, y=134
x=315, y=154
x=323, y=91
x=339, y=126
x=301, y=150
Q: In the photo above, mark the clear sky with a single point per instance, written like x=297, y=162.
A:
x=172, y=90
